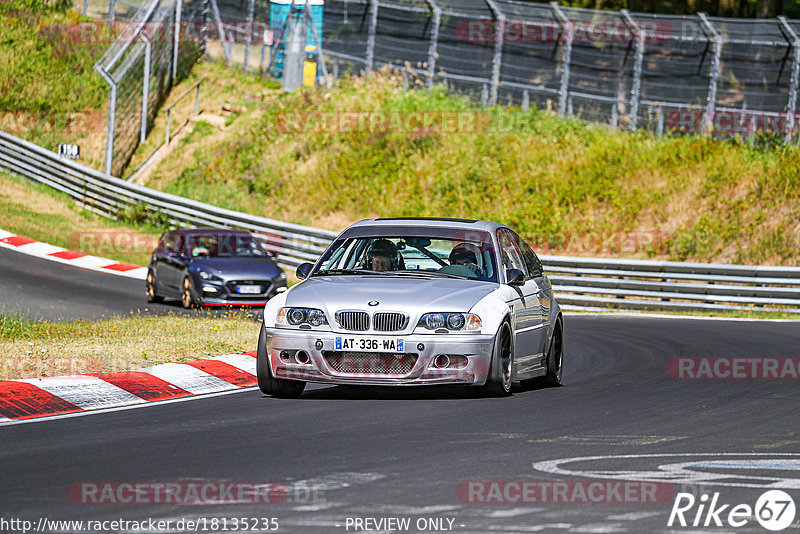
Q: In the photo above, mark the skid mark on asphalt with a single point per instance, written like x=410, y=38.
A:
x=633, y=516
x=608, y=440
x=337, y=481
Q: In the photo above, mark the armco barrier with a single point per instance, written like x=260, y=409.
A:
x=109, y=196
x=580, y=282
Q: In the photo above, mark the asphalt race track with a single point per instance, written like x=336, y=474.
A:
x=409, y=453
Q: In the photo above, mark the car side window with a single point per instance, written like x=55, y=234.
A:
x=531, y=260
x=511, y=256
x=180, y=244
x=169, y=243
x=162, y=244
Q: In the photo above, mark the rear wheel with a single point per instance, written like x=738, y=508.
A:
x=150, y=288
x=555, y=357
x=268, y=384
x=498, y=383
x=553, y=361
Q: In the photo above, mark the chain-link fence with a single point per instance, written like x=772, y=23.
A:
x=685, y=74
x=157, y=44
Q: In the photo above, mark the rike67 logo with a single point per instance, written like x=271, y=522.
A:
x=774, y=510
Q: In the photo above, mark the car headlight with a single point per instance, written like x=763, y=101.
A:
x=208, y=276
x=298, y=316
x=450, y=321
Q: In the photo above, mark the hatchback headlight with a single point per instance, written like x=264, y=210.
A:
x=298, y=316
x=208, y=276
x=450, y=321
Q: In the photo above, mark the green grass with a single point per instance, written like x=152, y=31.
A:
x=47, y=66
x=567, y=186
x=49, y=93
x=31, y=348
x=39, y=212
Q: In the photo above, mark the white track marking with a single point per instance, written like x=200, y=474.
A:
x=671, y=471
x=95, y=263
x=188, y=378
x=87, y=392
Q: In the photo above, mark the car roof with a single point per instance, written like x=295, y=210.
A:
x=194, y=231
x=428, y=222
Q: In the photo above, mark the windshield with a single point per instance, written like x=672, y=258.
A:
x=392, y=255
x=222, y=245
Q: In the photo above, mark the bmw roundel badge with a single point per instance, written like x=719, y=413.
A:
x=373, y=303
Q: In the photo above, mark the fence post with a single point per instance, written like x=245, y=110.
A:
x=85, y=7
x=373, y=23
x=323, y=70
x=526, y=102
x=563, y=91
x=251, y=9
x=711, y=98
x=791, y=106
x=148, y=46
x=197, y=100
x=500, y=23
x=204, y=29
x=177, y=39
x=221, y=30
x=112, y=110
x=636, y=83
x=432, y=49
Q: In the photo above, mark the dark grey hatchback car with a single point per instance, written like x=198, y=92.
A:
x=211, y=267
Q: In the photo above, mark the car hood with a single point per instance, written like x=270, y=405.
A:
x=406, y=294
x=237, y=268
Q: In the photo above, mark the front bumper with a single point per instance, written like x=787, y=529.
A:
x=216, y=293
x=321, y=346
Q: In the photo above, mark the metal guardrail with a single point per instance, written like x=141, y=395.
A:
x=110, y=196
x=577, y=281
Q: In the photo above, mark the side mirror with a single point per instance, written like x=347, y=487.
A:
x=514, y=277
x=303, y=270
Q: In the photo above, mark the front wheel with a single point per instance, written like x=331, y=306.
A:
x=498, y=383
x=268, y=384
x=187, y=294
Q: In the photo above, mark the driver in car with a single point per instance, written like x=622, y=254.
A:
x=383, y=256
x=465, y=254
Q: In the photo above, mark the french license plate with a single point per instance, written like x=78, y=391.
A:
x=370, y=344
x=248, y=290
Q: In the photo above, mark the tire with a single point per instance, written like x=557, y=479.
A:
x=554, y=362
x=151, y=289
x=555, y=357
x=498, y=383
x=188, y=300
x=268, y=384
